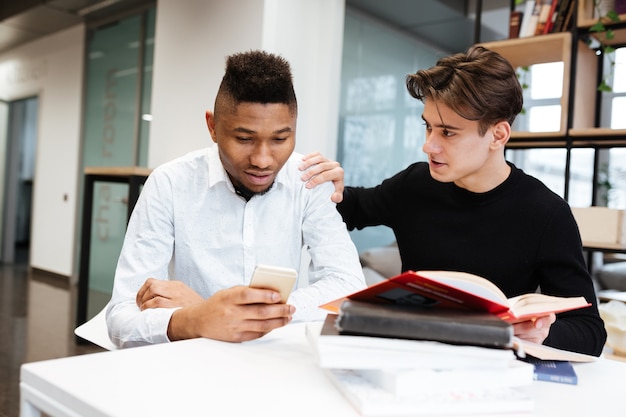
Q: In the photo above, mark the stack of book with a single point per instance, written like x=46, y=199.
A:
x=435, y=343
x=383, y=376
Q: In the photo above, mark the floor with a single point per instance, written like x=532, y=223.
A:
x=36, y=323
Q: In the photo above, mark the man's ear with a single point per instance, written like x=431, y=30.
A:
x=501, y=134
x=210, y=123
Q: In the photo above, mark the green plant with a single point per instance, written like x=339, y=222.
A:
x=604, y=185
x=522, y=75
x=604, y=35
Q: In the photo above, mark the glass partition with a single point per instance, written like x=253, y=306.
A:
x=116, y=128
x=380, y=126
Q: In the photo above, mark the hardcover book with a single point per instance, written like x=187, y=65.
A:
x=372, y=400
x=515, y=21
x=408, y=382
x=452, y=289
x=553, y=371
x=335, y=350
x=424, y=323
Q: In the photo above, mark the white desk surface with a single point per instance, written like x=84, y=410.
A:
x=276, y=375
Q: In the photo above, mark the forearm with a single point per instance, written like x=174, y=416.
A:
x=129, y=327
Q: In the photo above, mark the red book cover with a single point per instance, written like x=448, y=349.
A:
x=551, y=16
x=453, y=289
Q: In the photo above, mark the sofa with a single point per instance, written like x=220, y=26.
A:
x=380, y=263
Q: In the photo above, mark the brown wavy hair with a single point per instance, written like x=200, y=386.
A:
x=478, y=85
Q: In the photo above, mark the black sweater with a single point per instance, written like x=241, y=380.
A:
x=520, y=235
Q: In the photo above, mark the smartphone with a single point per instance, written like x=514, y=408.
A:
x=275, y=278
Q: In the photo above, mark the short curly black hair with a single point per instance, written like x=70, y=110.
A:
x=256, y=77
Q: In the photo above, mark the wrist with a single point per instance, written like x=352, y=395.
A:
x=179, y=327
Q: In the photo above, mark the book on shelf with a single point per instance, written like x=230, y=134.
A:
x=568, y=15
x=544, y=16
x=452, y=289
x=547, y=28
x=335, y=350
x=515, y=22
x=424, y=323
x=559, y=16
x=408, y=382
x=562, y=372
x=371, y=400
x=530, y=26
x=529, y=6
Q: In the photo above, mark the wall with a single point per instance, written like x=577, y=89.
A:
x=52, y=69
x=192, y=40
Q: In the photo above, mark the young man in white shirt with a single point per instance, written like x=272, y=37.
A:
x=205, y=220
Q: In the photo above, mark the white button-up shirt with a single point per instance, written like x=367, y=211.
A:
x=190, y=225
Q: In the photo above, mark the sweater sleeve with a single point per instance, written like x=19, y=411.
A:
x=562, y=271
x=362, y=207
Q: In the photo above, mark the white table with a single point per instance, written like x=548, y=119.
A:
x=273, y=376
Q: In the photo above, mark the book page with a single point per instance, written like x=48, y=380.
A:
x=469, y=283
x=540, y=304
x=543, y=352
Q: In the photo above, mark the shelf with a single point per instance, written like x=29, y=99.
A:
x=576, y=138
x=520, y=52
x=118, y=171
x=526, y=140
x=557, y=47
x=586, y=20
x=536, y=135
x=598, y=137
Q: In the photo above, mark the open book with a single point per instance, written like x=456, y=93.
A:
x=460, y=290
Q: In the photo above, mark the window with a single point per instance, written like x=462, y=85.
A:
x=612, y=190
x=380, y=126
x=542, y=112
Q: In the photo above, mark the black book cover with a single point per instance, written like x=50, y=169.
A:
x=423, y=323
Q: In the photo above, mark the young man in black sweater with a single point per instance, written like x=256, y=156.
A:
x=468, y=209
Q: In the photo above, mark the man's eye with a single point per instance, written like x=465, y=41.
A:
x=280, y=139
x=243, y=139
x=447, y=133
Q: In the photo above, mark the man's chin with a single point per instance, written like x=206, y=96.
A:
x=257, y=190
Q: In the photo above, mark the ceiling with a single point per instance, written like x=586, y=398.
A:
x=446, y=24
x=22, y=21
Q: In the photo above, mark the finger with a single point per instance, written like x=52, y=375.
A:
x=337, y=197
x=270, y=311
x=259, y=328
x=157, y=302
x=545, y=321
x=317, y=163
x=311, y=159
x=311, y=155
x=247, y=295
x=143, y=293
x=334, y=174
x=319, y=167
